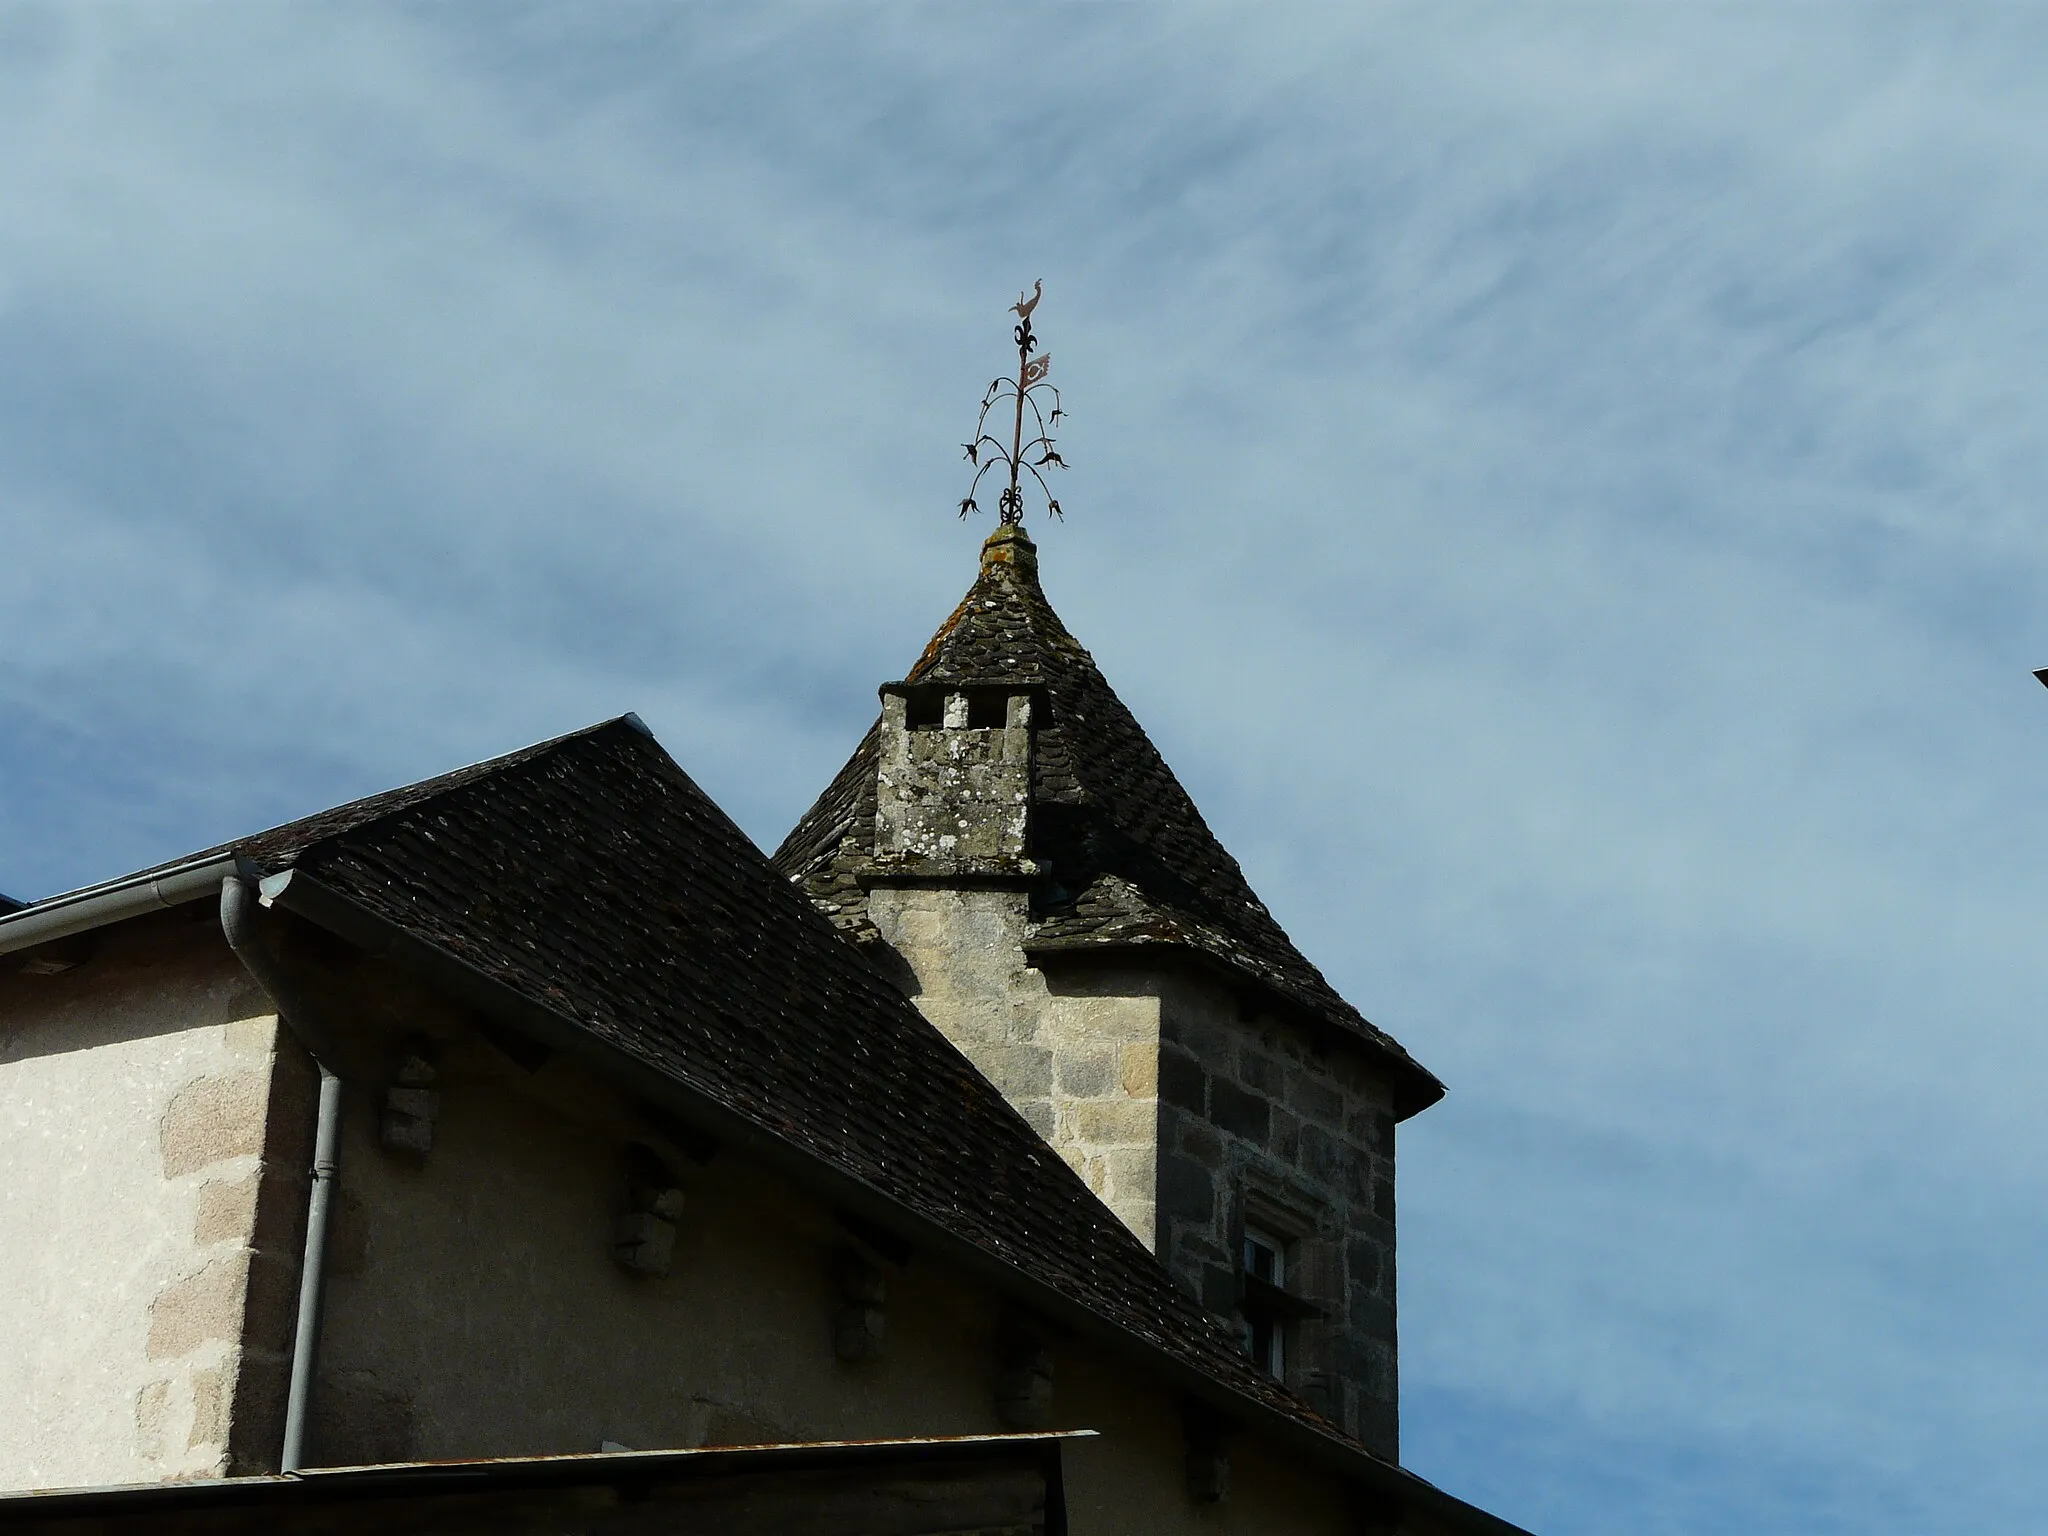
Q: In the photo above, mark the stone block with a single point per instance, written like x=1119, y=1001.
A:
x=1142, y=1217
x=1285, y=1138
x=1021, y=1071
x=152, y=1421
x=1260, y=1072
x=1138, y=1070
x=1182, y=1080
x=212, y=1404
x=1379, y=1427
x=1205, y=1039
x=1111, y=1122
x=1198, y=1139
x=1372, y=1317
x=212, y=1120
x=1323, y=1157
x=1219, y=1289
x=1315, y=1099
x=1362, y=1264
x=1038, y=1115
x=406, y=1134
x=1359, y=1170
x=1133, y=1172
x=202, y=1308
x=1085, y=1074
x=419, y=1103
x=227, y=1209
x=1187, y=1190
x=1239, y=1112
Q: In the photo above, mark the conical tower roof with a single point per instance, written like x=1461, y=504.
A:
x=1125, y=859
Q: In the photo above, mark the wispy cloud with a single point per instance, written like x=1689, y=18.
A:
x=1560, y=485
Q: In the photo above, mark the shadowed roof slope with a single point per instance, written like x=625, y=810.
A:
x=591, y=876
x=1127, y=859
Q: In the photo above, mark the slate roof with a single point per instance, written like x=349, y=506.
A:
x=1127, y=859
x=591, y=876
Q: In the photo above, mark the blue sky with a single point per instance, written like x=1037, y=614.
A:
x=1561, y=484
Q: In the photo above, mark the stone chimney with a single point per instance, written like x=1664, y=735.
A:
x=953, y=784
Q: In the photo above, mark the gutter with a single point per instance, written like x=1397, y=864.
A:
x=238, y=925
x=327, y=908
x=113, y=901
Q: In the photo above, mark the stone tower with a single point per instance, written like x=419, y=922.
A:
x=1008, y=843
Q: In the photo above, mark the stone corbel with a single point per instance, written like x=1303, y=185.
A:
x=411, y=1104
x=644, y=1233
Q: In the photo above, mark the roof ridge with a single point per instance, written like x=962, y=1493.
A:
x=366, y=808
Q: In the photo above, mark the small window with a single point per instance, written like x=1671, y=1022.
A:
x=1265, y=1271
x=924, y=709
x=988, y=709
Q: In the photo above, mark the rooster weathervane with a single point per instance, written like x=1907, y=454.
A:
x=986, y=450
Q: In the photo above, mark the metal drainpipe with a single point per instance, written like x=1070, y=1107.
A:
x=237, y=905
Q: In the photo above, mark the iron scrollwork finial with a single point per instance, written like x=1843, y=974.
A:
x=985, y=451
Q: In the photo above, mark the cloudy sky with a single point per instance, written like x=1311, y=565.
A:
x=1562, y=485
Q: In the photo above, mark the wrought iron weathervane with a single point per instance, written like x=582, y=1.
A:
x=986, y=451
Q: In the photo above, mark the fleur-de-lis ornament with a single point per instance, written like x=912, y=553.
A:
x=985, y=451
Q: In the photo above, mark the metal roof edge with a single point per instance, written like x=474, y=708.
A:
x=113, y=901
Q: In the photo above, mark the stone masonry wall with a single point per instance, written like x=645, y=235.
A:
x=1079, y=1062
x=1260, y=1126
x=1185, y=1119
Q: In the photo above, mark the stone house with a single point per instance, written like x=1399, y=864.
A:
x=531, y=1112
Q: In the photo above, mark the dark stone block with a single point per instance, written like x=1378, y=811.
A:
x=1383, y=1197
x=1367, y=1363
x=1199, y=1140
x=1186, y=1190
x=1323, y=1158
x=1182, y=1081
x=1358, y=1177
x=1244, y=1114
x=1219, y=1288
x=1371, y=1317
x=1260, y=1073
x=1379, y=1427
x=1286, y=1137
x=1317, y=1100
x=1362, y=1263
